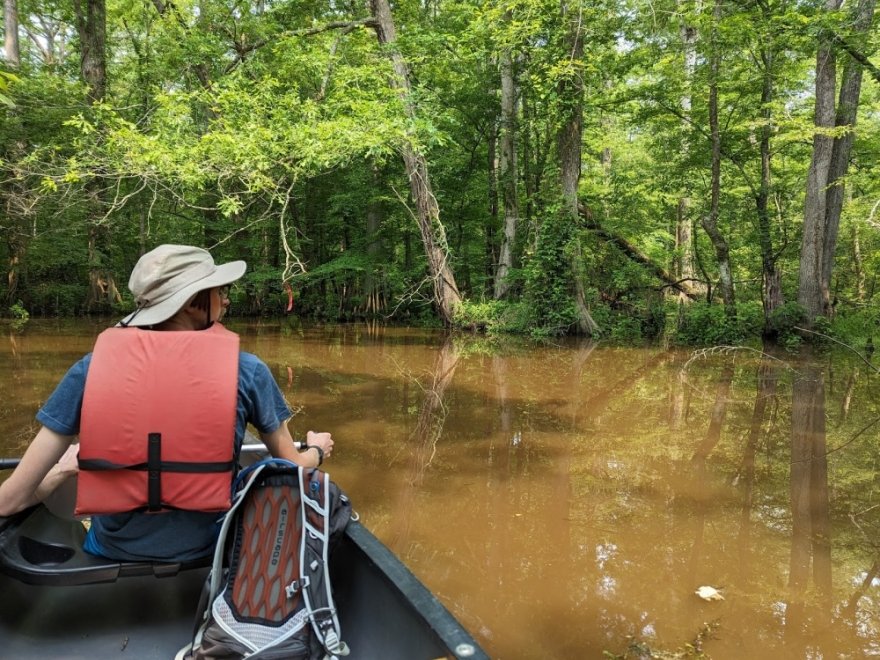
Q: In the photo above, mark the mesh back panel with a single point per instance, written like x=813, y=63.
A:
x=269, y=561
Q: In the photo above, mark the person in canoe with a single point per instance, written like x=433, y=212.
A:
x=160, y=408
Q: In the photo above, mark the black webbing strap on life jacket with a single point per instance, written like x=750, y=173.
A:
x=155, y=466
x=154, y=471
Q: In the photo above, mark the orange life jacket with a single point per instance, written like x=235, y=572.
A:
x=158, y=421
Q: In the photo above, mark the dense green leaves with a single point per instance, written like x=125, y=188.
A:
x=270, y=131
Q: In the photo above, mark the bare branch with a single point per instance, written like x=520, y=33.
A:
x=857, y=55
x=243, y=50
x=840, y=343
x=292, y=262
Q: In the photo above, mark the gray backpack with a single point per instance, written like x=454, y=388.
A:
x=268, y=595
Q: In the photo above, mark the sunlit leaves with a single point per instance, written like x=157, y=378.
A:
x=6, y=80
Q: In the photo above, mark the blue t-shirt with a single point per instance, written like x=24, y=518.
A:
x=171, y=535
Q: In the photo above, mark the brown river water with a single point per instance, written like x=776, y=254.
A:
x=568, y=499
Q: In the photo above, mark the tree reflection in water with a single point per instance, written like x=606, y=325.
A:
x=426, y=434
x=810, y=512
x=566, y=499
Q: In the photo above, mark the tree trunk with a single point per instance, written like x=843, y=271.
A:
x=858, y=265
x=372, y=299
x=568, y=146
x=492, y=224
x=446, y=294
x=634, y=253
x=710, y=221
x=103, y=291
x=10, y=26
x=847, y=107
x=812, y=294
x=685, y=267
x=92, y=29
x=771, y=288
x=508, y=173
x=91, y=26
x=527, y=167
x=15, y=242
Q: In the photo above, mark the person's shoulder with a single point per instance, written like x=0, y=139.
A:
x=249, y=364
x=81, y=366
x=249, y=360
x=254, y=374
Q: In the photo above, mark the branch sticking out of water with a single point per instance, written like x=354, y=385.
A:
x=837, y=341
x=724, y=349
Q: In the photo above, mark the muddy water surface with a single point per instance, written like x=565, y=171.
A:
x=568, y=499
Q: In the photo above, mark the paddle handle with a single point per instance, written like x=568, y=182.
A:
x=12, y=463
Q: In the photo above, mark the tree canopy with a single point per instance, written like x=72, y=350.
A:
x=619, y=168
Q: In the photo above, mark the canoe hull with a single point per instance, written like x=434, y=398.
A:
x=385, y=612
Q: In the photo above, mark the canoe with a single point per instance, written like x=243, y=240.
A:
x=59, y=602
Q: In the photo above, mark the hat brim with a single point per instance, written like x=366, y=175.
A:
x=164, y=310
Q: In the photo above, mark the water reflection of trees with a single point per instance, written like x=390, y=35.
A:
x=700, y=490
x=423, y=439
x=568, y=498
x=530, y=493
x=762, y=414
x=810, y=509
x=557, y=487
x=824, y=608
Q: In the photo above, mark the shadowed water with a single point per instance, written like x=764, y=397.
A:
x=568, y=499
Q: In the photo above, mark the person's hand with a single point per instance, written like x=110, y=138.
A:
x=68, y=464
x=322, y=440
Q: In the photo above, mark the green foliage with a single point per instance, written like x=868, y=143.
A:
x=856, y=327
x=822, y=330
x=480, y=316
x=627, y=329
x=782, y=323
x=18, y=312
x=701, y=323
x=785, y=317
x=548, y=279
x=263, y=136
x=6, y=80
x=58, y=299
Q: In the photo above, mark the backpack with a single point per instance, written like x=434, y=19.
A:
x=273, y=599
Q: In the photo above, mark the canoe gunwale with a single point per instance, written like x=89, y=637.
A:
x=401, y=579
x=368, y=576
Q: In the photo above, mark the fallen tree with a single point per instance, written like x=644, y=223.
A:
x=636, y=254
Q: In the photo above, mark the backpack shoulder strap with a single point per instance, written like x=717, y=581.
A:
x=316, y=502
x=240, y=487
x=314, y=488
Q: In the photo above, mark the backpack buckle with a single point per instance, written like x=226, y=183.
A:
x=291, y=589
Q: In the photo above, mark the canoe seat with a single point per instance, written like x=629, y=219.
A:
x=38, y=547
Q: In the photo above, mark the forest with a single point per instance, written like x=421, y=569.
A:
x=704, y=171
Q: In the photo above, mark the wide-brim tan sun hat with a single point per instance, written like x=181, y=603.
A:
x=164, y=279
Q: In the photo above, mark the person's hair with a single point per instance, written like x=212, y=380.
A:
x=202, y=300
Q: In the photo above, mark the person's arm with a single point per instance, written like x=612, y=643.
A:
x=280, y=444
x=40, y=471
